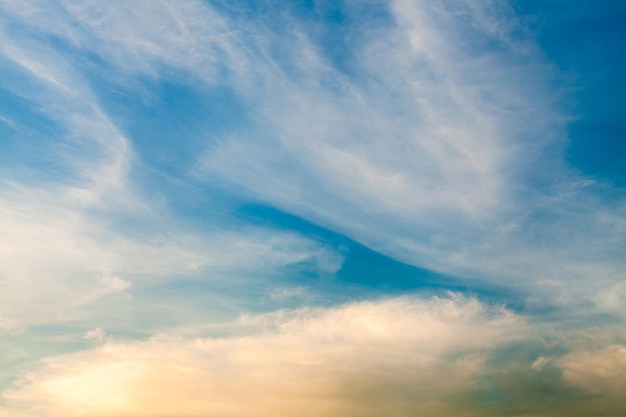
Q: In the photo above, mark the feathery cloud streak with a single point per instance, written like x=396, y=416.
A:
x=444, y=143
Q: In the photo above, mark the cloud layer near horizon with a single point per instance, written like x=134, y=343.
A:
x=393, y=357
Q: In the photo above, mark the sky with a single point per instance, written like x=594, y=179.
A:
x=352, y=208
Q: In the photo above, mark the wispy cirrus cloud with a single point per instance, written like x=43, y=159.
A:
x=442, y=148
x=440, y=145
x=84, y=244
x=56, y=256
x=95, y=220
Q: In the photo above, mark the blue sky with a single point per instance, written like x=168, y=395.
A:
x=317, y=208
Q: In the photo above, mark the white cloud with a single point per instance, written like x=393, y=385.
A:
x=540, y=363
x=359, y=359
x=68, y=241
x=429, y=150
x=612, y=299
x=286, y=293
x=600, y=370
x=144, y=36
x=96, y=335
x=56, y=259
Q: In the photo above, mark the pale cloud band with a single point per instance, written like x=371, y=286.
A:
x=394, y=357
